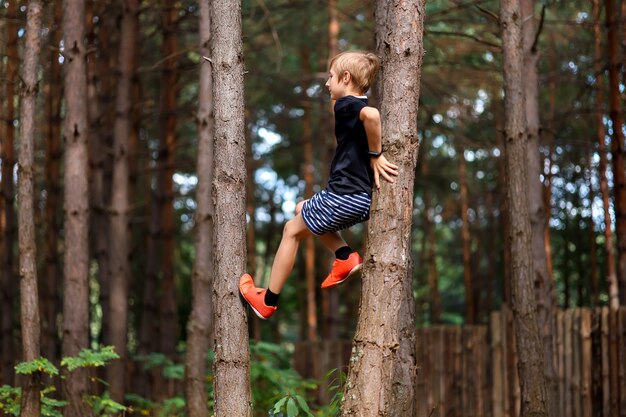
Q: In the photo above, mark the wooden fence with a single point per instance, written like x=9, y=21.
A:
x=471, y=371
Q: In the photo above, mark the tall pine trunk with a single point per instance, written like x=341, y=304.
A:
x=382, y=374
x=534, y=400
x=430, y=243
x=470, y=303
x=611, y=272
x=200, y=326
x=168, y=329
x=76, y=207
x=29, y=296
x=617, y=144
x=120, y=202
x=8, y=290
x=51, y=281
x=308, y=170
x=544, y=287
x=231, y=368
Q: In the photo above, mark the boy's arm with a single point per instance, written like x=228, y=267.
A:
x=381, y=166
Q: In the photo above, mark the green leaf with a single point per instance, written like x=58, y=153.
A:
x=90, y=358
x=36, y=365
x=292, y=408
x=279, y=404
x=303, y=405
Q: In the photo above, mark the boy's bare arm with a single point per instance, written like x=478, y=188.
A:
x=381, y=166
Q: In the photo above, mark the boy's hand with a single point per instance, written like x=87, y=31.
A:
x=382, y=166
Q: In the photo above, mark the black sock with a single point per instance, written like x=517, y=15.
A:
x=271, y=299
x=343, y=253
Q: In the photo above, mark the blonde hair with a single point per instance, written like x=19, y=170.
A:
x=362, y=66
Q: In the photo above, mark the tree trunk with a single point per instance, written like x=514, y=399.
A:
x=308, y=170
x=76, y=207
x=382, y=373
x=330, y=299
x=29, y=296
x=617, y=144
x=200, y=325
x=167, y=302
x=120, y=202
x=99, y=94
x=470, y=304
x=434, y=300
x=543, y=285
x=50, y=298
x=611, y=272
x=534, y=400
x=254, y=322
x=7, y=279
x=232, y=354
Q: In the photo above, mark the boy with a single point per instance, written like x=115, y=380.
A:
x=358, y=162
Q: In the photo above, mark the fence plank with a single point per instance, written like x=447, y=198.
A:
x=586, y=363
x=497, y=364
x=622, y=359
x=596, y=352
x=606, y=386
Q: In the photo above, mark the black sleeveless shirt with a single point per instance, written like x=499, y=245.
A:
x=350, y=170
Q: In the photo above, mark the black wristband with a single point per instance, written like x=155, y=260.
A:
x=374, y=154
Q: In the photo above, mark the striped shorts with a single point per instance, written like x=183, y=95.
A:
x=327, y=212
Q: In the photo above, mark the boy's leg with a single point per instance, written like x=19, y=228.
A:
x=295, y=230
x=332, y=241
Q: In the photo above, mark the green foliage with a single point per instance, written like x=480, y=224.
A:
x=272, y=377
x=36, y=365
x=170, y=369
x=51, y=407
x=10, y=400
x=104, y=406
x=90, y=358
x=292, y=405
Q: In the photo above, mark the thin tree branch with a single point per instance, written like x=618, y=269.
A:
x=533, y=49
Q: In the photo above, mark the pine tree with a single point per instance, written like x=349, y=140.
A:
x=381, y=379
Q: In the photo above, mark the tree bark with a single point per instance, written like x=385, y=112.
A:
x=434, y=299
x=120, y=202
x=49, y=296
x=382, y=374
x=200, y=326
x=330, y=299
x=543, y=285
x=168, y=329
x=611, y=272
x=617, y=144
x=7, y=279
x=29, y=296
x=534, y=400
x=232, y=355
x=470, y=304
x=76, y=207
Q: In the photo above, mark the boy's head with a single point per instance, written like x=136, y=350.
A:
x=362, y=67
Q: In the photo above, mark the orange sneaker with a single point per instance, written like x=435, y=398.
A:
x=343, y=270
x=255, y=297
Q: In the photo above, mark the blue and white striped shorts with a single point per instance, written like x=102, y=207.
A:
x=327, y=212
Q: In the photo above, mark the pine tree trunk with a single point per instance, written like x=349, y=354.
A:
x=534, y=400
x=200, y=325
x=120, y=202
x=232, y=355
x=76, y=207
x=253, y=321
x=7, y=278
x=434, y=300
x=50, y=298
x=543, y=285
x=168, y=329
x=470, y=304
x=308, y=170
x=617, y=145
x=611, y=272
x=99, y=94
x=330, y=299
x=382, y=372
x=29, y=296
